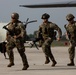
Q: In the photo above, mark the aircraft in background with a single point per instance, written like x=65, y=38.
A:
x=2, y=32
x=52, y=5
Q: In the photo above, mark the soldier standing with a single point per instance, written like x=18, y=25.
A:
x=16, y=40
x=47, y=31
x=71, y=32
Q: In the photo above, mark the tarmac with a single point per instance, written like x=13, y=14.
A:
x=36, y=61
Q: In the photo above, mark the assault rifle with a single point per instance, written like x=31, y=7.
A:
x=38, y=39
x=12, y=33
x=34, y=44
x=41, y=38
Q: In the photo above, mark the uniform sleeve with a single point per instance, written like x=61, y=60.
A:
x=39, y=31
x=23, y=30
x=58, y=30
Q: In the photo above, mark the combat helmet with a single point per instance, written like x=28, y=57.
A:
x=70, y=17
x=45, y=16
x=15, y=15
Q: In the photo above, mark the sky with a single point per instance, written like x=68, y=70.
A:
x=57, y=15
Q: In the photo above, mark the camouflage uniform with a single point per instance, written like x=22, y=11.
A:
x=71, y=31
x=18, y=29
x=47, y=31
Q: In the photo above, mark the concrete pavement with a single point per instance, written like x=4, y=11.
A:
x=36, y=61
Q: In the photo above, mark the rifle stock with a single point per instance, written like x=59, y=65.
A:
x=11, y=33
x=34, y=44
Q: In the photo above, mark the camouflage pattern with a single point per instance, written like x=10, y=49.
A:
x=47, y=31
x=71, y=28
x=19, y=29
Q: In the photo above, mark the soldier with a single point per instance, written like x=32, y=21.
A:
x=71, y=32
x=47, y=31
x=16, y=40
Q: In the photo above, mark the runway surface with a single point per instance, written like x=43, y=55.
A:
x=36, y=61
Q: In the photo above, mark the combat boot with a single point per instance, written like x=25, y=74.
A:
x=47, y=60
x=53, y=60
x=10, y=64
x=71, y=63
x=25, y=67
x=54, y=63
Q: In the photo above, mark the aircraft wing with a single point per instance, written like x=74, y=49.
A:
x=52, y=5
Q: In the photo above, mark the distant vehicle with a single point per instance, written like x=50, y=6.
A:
x=52, y=5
